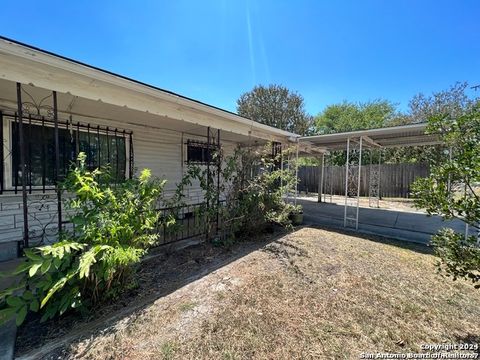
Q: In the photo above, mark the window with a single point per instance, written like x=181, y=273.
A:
x=101, y=149
x=200, y=152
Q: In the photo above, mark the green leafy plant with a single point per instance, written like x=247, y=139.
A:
x=296, y=209
x=460, y=255
x=253, y=186
x=113, y=227
x=453, y=191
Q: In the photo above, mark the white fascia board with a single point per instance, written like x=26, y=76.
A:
x=30, y=66
x=372, y=132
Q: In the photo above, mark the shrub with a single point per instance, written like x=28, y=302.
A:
x=113, y=228
x=453, y=191
x=460, y=256
x=253, y=185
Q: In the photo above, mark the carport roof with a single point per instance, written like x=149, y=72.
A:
x=395, y=136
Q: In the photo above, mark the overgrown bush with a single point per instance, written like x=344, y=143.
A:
x=453, y=191
x=255, y=198
x=252, y=184
x=114, y=225
x=460, y=255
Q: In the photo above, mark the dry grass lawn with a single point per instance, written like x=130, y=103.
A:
x=310, y=294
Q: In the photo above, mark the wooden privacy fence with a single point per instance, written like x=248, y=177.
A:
x=395, y=179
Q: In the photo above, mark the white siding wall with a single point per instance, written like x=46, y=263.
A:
x=157, y=149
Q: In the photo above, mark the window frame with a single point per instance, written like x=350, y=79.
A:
x=211, y=149
x=7, y=143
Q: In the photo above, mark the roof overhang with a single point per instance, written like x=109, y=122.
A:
x=28, y=65
x=395, y=136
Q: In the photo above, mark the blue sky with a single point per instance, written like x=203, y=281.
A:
x=213, y=51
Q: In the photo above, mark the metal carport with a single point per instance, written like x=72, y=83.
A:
x=355, y=143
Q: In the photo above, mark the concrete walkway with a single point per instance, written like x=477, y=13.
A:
x=402, y=225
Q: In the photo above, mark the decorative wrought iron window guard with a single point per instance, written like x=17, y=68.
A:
x=200, y=153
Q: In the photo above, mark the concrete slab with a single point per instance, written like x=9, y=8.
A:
x=412, y=226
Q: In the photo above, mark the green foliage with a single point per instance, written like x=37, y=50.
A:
x=276, y=106
x=460, y=256
x=349, y=116
x=49, y=281
x=252, y=184
x=124, y=215
x=452, y=102
x=309, y=161
x=453, y=190
x=113, y=228
x=255, y=201
x=206, y=178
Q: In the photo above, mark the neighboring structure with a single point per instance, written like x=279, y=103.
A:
x=51, y=108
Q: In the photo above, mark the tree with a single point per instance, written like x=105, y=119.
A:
x=276, y=106
x=453, y=190
x=350, y=116
x=451, y=103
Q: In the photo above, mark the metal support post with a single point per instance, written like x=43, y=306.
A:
x=346, y=183
x=22, y=165
x=219, y=169
x=352, y=182
x=330, y=166
x=320, y=178
x=374, y=182
x=359, y=180
x=208, y=163
x=281, y=170
x=57, y=161
x=296, y=175
x=380, y=152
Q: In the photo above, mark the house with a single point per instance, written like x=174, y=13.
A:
x=52, y=107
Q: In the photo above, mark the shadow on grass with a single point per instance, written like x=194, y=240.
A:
x=159, y=275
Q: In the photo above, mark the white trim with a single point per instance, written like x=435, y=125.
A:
x=393, y=130
x=23, y=52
